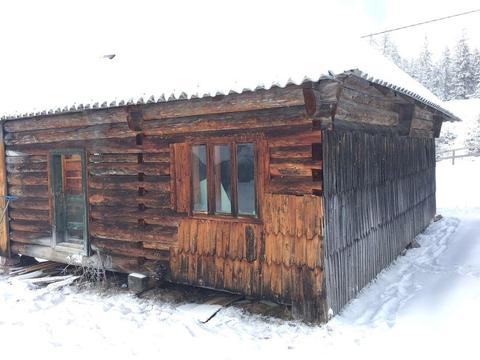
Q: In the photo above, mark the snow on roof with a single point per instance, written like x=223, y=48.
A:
x=73, y=82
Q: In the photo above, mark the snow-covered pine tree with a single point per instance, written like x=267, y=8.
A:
x=424, y=67
x=463, y=82
x=476, y=72
x=443, y=76
x=390, y=50
x=387, y=47
x=472, y=142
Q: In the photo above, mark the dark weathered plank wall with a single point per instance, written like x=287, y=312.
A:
x=379, y=193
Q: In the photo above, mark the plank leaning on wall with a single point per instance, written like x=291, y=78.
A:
x=4, y=248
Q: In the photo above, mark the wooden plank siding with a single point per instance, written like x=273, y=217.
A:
x=379, y=194
x=279, y=259
x=345, y=178
x=134, y=198
x=278, y=256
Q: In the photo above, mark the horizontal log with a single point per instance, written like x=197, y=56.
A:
x=293, y=167
x=39, y=191
x=31, y=226
x=113, y=158
x=32, y=178
x=27, y=167
x=44, y=238
x=292, y=151
x=97, y=145
x=157, y=246
x=33, y=203
x=121, y=215
x=422, y=124
x=423, y=114
x=127, y=232
x=151, y=199
x=130, y=182
x=73, y=120
x=306, y=137
x=293, y=185
x=29, y=214
x=91, y=132
x=353, y=112
x=126, y=264
x=25, y=159
x=130, y=249
x=250, y=120
x=161, y=157
x=102, y=169
x=248, y=101
x=368, y=97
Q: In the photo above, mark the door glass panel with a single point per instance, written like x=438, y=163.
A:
x=74, y=200
x=246, y=179
x=199, y=178
x=223, y=181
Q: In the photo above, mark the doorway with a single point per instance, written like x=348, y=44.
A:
x=69, y=201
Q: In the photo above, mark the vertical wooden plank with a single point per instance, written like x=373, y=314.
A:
x=181, y=173
x=4, y=243
x=173, y=178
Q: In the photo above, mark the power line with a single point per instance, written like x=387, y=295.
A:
x=420, y=23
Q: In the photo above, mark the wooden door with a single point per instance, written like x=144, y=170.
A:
x=68, y=187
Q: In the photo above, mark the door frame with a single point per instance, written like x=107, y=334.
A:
x=83, y=249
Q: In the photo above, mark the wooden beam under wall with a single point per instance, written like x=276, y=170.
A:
x=4, y=243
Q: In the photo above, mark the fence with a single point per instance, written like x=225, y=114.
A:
x=456, y=154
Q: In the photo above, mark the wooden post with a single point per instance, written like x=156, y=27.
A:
x=4, y=245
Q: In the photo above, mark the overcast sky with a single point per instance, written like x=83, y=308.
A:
x=97, y=27
x=47, y=46
x=386, y=14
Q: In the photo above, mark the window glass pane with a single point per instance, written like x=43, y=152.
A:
x=199, y=178
x=222, y=173
x=246, y=179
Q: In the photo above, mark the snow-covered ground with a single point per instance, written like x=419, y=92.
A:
x=426, y=304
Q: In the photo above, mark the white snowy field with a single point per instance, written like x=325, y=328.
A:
x=426, y=304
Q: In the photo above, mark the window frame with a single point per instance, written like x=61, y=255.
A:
x=232, y=142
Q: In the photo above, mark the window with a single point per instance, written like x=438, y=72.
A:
x=223, y=179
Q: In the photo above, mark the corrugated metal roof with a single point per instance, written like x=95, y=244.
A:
x=99, y=84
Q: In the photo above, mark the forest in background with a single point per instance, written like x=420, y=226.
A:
x=455, y=75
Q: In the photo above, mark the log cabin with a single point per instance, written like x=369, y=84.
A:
x=299, y=193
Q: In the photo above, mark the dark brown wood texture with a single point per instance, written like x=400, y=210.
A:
x=279, y=260
x=138, y=166
x=4, y=244
x=139, y=188
x=379, y=193
x=293, y=164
